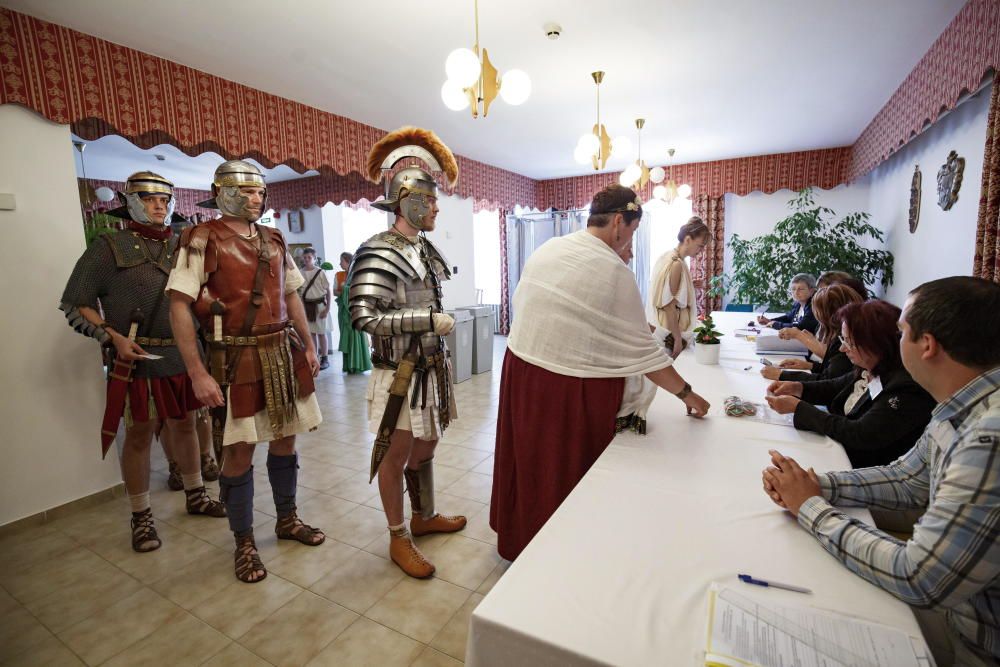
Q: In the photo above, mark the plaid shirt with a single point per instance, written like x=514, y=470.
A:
x=952, y=562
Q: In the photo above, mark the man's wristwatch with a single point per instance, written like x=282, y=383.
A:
x=683, y=393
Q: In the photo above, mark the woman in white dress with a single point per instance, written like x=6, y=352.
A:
x=671, y=302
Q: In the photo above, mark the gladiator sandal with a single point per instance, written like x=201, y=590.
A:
x=199, y=502
x=174, y=481
x=144, y=537
x=291, y=528
x=249, y=568
x=209, y=468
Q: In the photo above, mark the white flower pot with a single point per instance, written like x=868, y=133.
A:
x=706, y=354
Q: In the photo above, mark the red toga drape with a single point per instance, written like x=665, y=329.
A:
x=550, y=429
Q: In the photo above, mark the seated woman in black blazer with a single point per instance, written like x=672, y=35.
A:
x=876, y=412
x=801, y=289
x=825, y=344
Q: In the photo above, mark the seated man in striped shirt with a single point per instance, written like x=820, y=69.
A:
x=951, y=564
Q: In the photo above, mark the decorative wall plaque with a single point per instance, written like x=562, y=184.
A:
x=915, y=198
x=949, y=180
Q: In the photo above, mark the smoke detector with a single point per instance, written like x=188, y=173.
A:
x=552, y=30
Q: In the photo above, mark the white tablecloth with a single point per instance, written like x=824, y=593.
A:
x=620, y=573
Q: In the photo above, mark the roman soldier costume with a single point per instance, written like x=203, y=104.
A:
x=239, y=284
x=395, y=296
x=121, y=277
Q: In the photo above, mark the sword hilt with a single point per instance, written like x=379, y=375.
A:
x=136, y=319
x=217, y=348
x=218, y=309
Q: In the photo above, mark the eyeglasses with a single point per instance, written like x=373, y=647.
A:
x=845, y=343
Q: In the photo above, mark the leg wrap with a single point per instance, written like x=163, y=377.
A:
x=237, y=494
x=283, y=472
x=420, y=486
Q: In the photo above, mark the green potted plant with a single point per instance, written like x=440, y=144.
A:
x=706, y=341
x=810, y=240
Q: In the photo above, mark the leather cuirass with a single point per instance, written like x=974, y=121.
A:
x=231, y=264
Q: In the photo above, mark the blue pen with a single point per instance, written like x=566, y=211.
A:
x=747, y=579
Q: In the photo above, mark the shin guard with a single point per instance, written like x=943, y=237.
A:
x=283, y=472
x=237, y=494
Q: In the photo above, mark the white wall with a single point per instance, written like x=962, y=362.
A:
x=312, y=228
x=757, y=213
x=944, y=243
x=54, y=401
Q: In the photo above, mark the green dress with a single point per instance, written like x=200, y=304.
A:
x=353, y=343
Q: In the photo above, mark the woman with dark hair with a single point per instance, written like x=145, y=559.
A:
x=672, y=293
x=878, y=411
x=825, y=344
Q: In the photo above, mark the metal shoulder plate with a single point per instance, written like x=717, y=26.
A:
x=374, y=276
x=395, y=249
x=128, y=251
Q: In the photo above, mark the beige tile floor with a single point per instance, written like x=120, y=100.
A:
x=73, y=592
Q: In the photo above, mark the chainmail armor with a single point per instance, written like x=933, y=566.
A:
x=99, y=283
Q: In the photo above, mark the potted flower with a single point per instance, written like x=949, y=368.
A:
x=706, y=341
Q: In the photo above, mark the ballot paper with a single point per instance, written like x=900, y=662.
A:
x=778, y=345
x=748, y=331
x=743, y=631
x=151, y=357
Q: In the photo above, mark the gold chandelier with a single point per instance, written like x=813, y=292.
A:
x=595, y=146
x=638, y=174
x=668, y=191
x=474, y=81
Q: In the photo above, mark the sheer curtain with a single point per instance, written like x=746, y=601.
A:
x=641, y=263
x=526, y=232
x=661, y=221
x=486, y=252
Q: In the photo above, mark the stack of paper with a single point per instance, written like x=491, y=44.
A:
x=743, y=632
x=778, y=345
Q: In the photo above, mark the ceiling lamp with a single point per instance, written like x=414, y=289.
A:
x=473, y=81
x=669, y=191
x=638, y=174
x=595, y=146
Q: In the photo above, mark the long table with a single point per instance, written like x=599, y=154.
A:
x=619, y=575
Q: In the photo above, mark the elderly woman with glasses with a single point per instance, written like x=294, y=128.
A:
x=801, y=288
x=877, y=411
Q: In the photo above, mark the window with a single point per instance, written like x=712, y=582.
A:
x=665, y=221
x=486, y=253
x=360, y=225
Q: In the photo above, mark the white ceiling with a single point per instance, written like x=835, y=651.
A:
x=113, y=158
x=714, y=78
